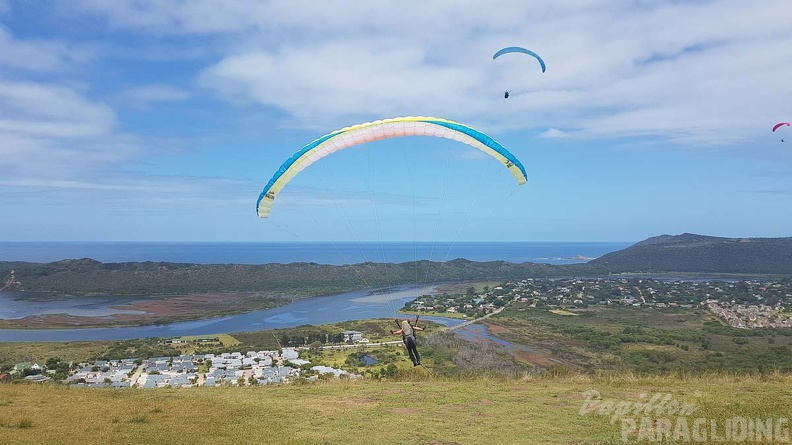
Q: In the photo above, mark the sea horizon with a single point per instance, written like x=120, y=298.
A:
x=323, y=252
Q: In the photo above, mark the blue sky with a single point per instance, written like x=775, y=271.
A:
x=148, y=120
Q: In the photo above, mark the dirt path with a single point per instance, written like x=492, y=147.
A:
x=469, y=322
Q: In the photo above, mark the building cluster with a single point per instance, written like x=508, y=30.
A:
x=750, y=316
x=745, y=304
x=116, y=373
x=231, y=368
x=470, y=304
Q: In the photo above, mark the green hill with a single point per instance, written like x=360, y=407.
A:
x=702, y=254
x=666, y=253
x=85, y=276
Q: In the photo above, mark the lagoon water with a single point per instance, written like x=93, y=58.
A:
x=16, y=305
x=358, y=305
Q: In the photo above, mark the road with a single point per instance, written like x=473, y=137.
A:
x=137, y=373
x=469, y=322
x=399, y=342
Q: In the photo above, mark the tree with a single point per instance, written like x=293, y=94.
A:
x=390, y=371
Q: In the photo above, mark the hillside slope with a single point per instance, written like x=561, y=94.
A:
x=666, y=253
x=702, y=254
x=86, y=276
x=419, y=410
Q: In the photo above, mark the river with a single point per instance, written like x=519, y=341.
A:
x=356, y=305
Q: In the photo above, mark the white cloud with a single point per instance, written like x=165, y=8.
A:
x=52, y=132
x=313, y=196
x=473, y=155
x=60, y=143
x=774, y=192
x=554, y=133
x=706, y=72
x=51, y=102
x=153, y=93
x=141, y=192
x=367, y=80
x=703, y=73
x=39, y=55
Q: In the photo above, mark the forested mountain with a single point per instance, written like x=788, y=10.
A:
x=699, y=253
x=681, y=253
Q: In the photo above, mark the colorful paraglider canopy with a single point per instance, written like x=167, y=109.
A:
x=384, y=129
x=517, y=49
x=780, y=124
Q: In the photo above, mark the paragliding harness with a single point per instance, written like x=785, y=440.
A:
x=506, y=94
x=409, y=341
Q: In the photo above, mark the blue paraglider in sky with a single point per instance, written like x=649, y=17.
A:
x=517, y=49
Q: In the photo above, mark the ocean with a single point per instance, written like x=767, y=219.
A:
x=334, y=253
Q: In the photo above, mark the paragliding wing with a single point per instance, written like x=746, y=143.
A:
x=383, y=129
x=776, y=126
x=517, y=49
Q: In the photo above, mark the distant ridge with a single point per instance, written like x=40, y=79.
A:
x=685, y=253
x=689, y=252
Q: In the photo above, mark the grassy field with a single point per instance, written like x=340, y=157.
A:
x=563, y=312
x=417, y=409
x=12, y=353
x=413, y=314
x=645, y=339
x=462, y=396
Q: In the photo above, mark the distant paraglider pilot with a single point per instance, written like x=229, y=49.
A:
x=506, y=95
x=408, y=337
x=779, y=125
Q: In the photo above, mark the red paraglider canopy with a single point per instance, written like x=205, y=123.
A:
x=775, y=127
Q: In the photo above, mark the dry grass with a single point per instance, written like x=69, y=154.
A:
x=419, y=409
x=13, y=353
x=563, y=312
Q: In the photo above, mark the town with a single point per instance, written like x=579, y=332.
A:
x=742, y=304
x=226, y=369
x=748, y=304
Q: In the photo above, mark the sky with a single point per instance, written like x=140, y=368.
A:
x=147, y=120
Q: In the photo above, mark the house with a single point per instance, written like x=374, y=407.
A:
x=289, y=353
x=37, y=378
x=22, y=367
x=352, y=336
x=208, y=340
x=328, y=370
